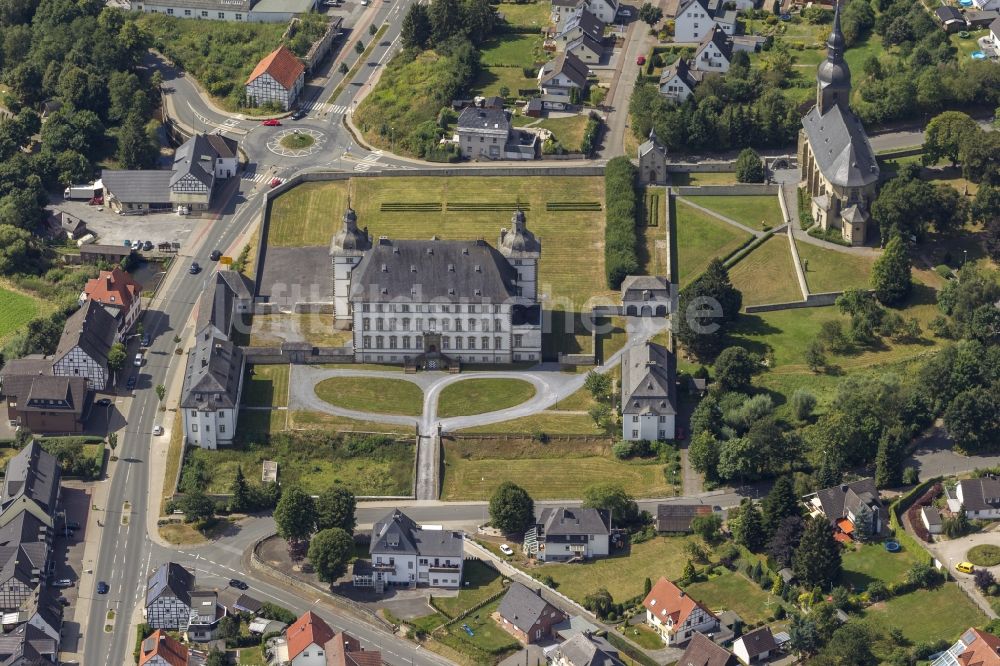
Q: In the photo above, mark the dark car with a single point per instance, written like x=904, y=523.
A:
x=147, y=246
x=195, y=268
x=64, y=601
x=73, y=525
x=130, y=384
x=102, y=588
x=216, y=255
x=298, y=115
x=238, y=584
x=103, y=402
x=146, y=340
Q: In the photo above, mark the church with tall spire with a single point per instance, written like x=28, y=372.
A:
x=837, y=165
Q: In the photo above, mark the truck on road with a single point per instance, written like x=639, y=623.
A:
x=84, y=192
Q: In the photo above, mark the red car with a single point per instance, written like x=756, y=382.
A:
x=276, y=181
x=272, y=122
x=641, y=60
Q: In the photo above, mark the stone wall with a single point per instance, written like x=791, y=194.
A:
x=814, y=301
x=740, y=189
x=285, y=355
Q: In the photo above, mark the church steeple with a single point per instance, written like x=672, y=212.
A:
x=833, y=78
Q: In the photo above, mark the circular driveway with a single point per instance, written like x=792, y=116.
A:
x=319, y=140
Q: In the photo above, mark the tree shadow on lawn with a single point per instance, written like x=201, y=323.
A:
x=751, y=326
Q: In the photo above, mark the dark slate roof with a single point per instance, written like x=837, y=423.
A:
x=51, y=394
x=71, y=223
x=524, y=607
x=33, y=473
x=593, y=45
x=529, y=655
x=170, y=579
x=27, y=644
x=980, y=494
x=586, y=650
x=587, y=22
x=633, y=286
x=648, y=380
x=195, y=157
x=44, y=607
x=721, y=40
x=138, y=185
x=216, y=306
x=239, y=284
x=682, y=70
x=23, y=548
x=569, y=66
x=759, y=641
x=398, y=534
x=248, y=604
x=932, y=515
x=17, y=376
x=92, y=328
x=224, y=147
x=518, y=241
x=490, y=118
x=678, y=517
x=467, y=271
x=838, y=500
x=995, y=26
x=349, y=239
x=945, y=14
x=574, y=520
x=701, y=651
x=841, y=147
x=212, y=379
x=977, y=18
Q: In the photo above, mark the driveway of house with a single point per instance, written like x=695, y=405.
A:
x=953, y=551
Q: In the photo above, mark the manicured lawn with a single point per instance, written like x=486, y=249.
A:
x=984, y=555
x=526, y=14
x=622, y=575
x=513, y=50
x=767, y=275
x=306, y=420
x=734, y=591
x=830, y=270
x=701, y=238
x=488, y=640
x=613, y=340
x=373, y=394
x=873, y=562
x=16, y=309
x=968, y=45
x=491, y=79
x=479, y=582
x=474, y=468
x=174, y=452
x=478, y=396
x=256, y=425
x=267, y=386
x=706, y=178
x=550, y=422
x=925, y=616
x=857, y=54
x=581, y=400
x=756, y=212
x=572, y=264
x=316, y=329
x=568, y=130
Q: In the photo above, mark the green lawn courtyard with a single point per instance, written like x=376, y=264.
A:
x=761, y=212
x=866, y=564
x=767, y=275
x=478, y=396
x=701, y=238
x=265, y=386
x=479, y=582
x=373, y=394
x=734, y=591
x=830, y=270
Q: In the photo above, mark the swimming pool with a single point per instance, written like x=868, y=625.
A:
x=978, y=55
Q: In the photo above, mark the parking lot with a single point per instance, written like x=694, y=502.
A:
x=113, y=229
x=67, y=554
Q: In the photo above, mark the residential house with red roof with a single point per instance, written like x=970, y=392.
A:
x=309, y=641
x=278, y=78
x=120, y=296
x=974, y=648
x=159, y=649
x=674, y=615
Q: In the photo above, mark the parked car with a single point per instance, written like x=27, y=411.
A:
x=146, y=340
x=137, y=245
x=157, y=430
x=238, y=584
x=641, y=60
x=195, y=268
x=506, y=550
x=138, y=360
x=299, y=113
x=63, y=582
x=103, y=402
x=965, y=567
x=102, y=588
x=147, y=246
x=216, y=255
x=127, y=243
x=271, y=122
x=130, y=384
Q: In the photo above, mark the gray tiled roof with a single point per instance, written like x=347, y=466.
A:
x=92, y=329
x=648, y=380
x=51, y=394
x=18, y=374
x=27, y=644
x=701, y=651
x=838, y=500
x=759, y=641
x=523, y=607
x=573, y=520
x=170, y=579
x=216, y=306
x=678, y=517
x=239, y=284
x=518, y=241
x=633, y=286
x=212, y=379
x=138, y=185
x=23, y=548
x=843, y=153
x=33, y=473
x=682, y=70
x=468, y=271
x=224, y=146
x=196, y=157
x=932, y=515
x=569, y=66
x=488, y=118
x=398, y=534
x=585, y=650
x=945, y=13
x=587, y=22
x=721, y=40
x=585, y=40
x=980, y=494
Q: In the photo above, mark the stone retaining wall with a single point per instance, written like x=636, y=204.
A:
x=740, y=189
x=297, y=356
x=814, y=301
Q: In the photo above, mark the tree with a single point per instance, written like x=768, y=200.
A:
x=707, y=526
x=295, y=515
x=113, y=441
x=161, y=391
x=923, y=574
x=116, y=357
x=343, y=69
x=240, y=490
x=599, y=385
x=804, y=636
x=706, y=309
x=891, y=274
x=689, y=574
x=650, y=14
x=335, y=508
x=865, y=312
x=329, y=552
x=853, y=641
x=372, y=29
x=416, y=28
x=945, y=135
x=973, y=420
x=734, y=368
x=479, y=20
x=749, y=167
x=816, y=355
x=785, y=540
x=779, y=503
x=359, y=47
x=512, y=510
x=817, y=559
x=803, y=404
x=600, y=603
x=612, y=497
x=216, y=658
x=197, y=507
x=229, y=628
x=134, y=150
x=747, y=527
x=446, y=20
x=18, y=250
x=602, y=415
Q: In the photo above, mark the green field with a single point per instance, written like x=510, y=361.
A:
x=513, y=50
x=701, y=238
x=830, y=270
x=564, y=421
x=373, y=394
x=757, y=212
x=622, y=575
x=527, y=14
x=488, y=639
x=491, y=79
x=479, y=582
x=16, y=310
x=265, y=386
x=306, y=420
x=767, y=275
x=572, y=265
x=734, y=591
x=568, y=130
x=478, y=396
x=984, y=555
x=474, y=468
x=925, y=616
x=866, y=564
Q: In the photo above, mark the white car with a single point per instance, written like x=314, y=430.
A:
x=158, y=430
x=506, y=550
x=138, y=360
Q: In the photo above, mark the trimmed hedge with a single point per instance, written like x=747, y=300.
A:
x=564, y=206
x=391, y=207
x=620, y=240
x=489, y=207
x=746, y=248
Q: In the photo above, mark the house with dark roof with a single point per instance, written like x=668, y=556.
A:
x=27, y=645
x=950, y=18
x=755, y=646
x=981, y=19
x=31, y=484
x=24, y=554
x=120, y=295
x=563, y=534
x=715, y=53
x=486, y=133
x=561, y=75
x=678, y=81
x=930, y=516
x=676, y=518
x=854, y=509
x=309, y=641
x=648, y=397
x=980, y=497
x=701, y=651
x=586, y=49
x=838, y=168
x=696, y=18
x=87, y=337
x=71, y=225
x=113, y=254
x=210, y=398
x=586, y=650
x=674, y=615
x=645, y=295
x=406, y=554
x=40, y=402
x=206, y=613
x=652, y=165
x=278, y=78
x=582, y=23
x=168, y=597
x=526, y=616
x=228, y=296
x=973, y=648
x=437, y=303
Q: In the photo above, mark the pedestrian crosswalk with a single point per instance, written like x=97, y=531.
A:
x=254, y=176
x=316, y=107
x=369, y=161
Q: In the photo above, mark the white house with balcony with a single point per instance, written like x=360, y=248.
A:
x=405, y=554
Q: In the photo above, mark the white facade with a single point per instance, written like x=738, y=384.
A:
x=211, y=429
x=409, y=570
x=563, y=12
x=313, y=655
x=694, y=21
x=596, y=545
x=649, y=427
x=991, y=513
x=606, y=10
x=710, y=59
x=76, y=363
x=585, y=49
x=698, y=620
x=986, y=5
x=675, y=89
x=168, y=612
x=995, y=33
x=238, y=13
x=265, y=89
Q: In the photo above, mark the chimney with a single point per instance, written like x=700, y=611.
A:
x=109, y=280
x=683, y=594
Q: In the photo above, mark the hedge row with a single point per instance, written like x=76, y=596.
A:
x=653, y=214
x=746, y=248
x=471, y=207
x=620, y=241
x=430, y=207
x=560, y=206
x=588, y=145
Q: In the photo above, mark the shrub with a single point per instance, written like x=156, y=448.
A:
x=622, y=449
x=620, y=242
x=984, y=579
x=749, y=168
x=877, y=591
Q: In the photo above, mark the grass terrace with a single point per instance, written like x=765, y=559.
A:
x=373, y=394
x=266, y=386
x=526, y=14
x=513, y=50
x=703, y=178
x=307, y=420
x=757, y=212
x=317, y=329
x=16, y=309
x=701, y=238
x=562, y=421
x=479, y=582
x=830, y=270
x=767, y=275
x=734, y=591
x=866, y=564
x=929, y=615
x=478, y=396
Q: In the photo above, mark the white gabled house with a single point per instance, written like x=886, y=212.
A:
x=980, y=497
x=605, y=10
x=715, y=53
x=564, y=534
x=582, y=23
x=678, y=81
x=405, y=554
x=278, y=78
x=586, y=48
x=649, y=399
x=561, y=75
x=696, y=18
x=210, y=399
x=168, y=597
x=675, y=616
